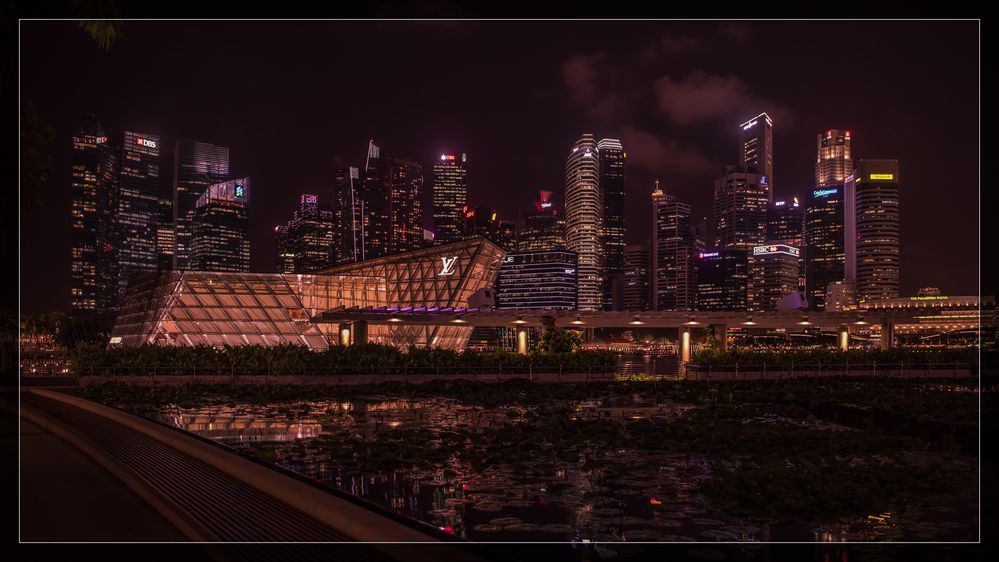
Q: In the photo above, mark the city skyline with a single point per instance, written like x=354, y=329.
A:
x=686, y=151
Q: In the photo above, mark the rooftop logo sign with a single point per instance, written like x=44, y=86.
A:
x=447, y=266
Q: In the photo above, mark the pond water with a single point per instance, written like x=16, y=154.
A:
x=597, y=493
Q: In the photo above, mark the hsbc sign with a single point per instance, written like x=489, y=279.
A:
x=447, y=266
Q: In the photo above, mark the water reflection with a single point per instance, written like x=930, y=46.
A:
x=402, y=454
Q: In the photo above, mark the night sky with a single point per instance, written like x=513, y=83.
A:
x=294, y=100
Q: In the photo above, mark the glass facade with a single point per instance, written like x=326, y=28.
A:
x=675, y=254
x=741, y=201
x=722, y=280
x=544, y=227
x=217, y=308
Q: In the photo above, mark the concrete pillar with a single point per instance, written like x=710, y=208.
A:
x=887, y=335
x=345, y=333
x=844, y=338
x=360, y=332
x=522, y=332
x=684, y=346
x=721, y=334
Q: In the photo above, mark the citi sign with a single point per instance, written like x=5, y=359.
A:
x=447, y=266
x=145, y=142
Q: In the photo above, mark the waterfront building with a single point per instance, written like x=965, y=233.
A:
x=537, y=280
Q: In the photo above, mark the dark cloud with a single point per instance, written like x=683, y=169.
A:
x=735, y=30
x=702, y=97
x=590, y=82
x=662, y=155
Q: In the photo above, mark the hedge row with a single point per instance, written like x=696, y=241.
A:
x=300, y=360
x=716, y=358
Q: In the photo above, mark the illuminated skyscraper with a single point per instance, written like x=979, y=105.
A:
x=774, y=270
x=675, y=254
x=375, y=204
x=196, y=165
x=637, y=277
x=537, y=280
x=740, y=207
x=722, y=280
x=506, y=235
x=756, y=147
x=871, y=217
x=833, y=161
x=93, y=269
x=544, y=227
x=824, y=251
x=138, y=204
x=166, y=239
x=307, y=240
x=584, y=213
x=221, y=229
x=450, y=197
x=347, y=216
x=405, y=205
x=786, y=225
x=284, y=256
x=612, y=159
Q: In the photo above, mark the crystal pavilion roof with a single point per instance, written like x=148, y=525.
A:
x=212, y=308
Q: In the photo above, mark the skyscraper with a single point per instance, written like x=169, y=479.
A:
x=612, y=159
x=284, y=256
x=450, y=197
x=774, y=270
x=740, y=208
x=675, y=252
x=722, y=280
x=871, y=217
x=537, y=280
x=786, y=225
x=307, y=240
x=506, y=235
x=375, y=204
x=405, y=205
x=347, y=216
x=637, y=277
x=220, y=238
x=93, y=266
x=756, y=147
x=166, y=239
x=833, y=161
x=584, y=210
x=824, y=250
x=544, y=227
x=138, y=204
x=196, y=165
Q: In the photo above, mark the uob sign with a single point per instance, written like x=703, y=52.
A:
x=447, y=266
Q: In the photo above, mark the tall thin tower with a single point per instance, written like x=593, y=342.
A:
x=584, y=213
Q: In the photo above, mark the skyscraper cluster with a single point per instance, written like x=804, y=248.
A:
x=767, y=251
x=760, y=250
x=123, y=222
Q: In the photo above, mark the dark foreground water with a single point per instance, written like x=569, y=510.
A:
x=541, y=494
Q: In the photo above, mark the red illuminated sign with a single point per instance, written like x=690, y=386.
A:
x=447, y=156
